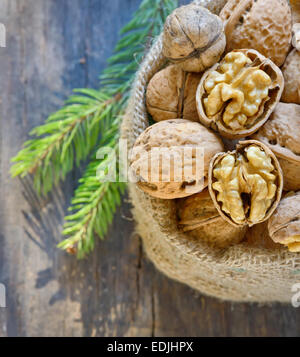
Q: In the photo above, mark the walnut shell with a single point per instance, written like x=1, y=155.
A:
x=295, y=6
x=264, y=25
x=296, y=36
x=291, y=73
x=264, y=109
x=193, y=38
x=281, y=133
x=245, y=184
x=258, y=236
x=198, y=217
x=214, y=6
x=170, y=159
x=284, y=225
x=171, y=94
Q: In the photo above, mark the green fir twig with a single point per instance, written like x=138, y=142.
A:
x=72, y=134
x=94, y=202
x=67, y=137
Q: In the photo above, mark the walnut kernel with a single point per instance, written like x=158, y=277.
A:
x=237, y=96
x=245, y=88
x=246, y=184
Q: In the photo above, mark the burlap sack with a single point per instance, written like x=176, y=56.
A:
x=239, y=273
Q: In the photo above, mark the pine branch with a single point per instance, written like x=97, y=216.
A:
x=66, y=137
x=94, y=202
x=69, y=135
x=137, y=37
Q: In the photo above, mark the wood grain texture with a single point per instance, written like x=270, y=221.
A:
x=116, y=291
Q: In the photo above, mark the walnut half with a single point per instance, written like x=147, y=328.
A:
x=246, y=184
x=236, y=96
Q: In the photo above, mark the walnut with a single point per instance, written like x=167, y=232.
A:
x=281, y=133
x=263, y=25
x=198, y=217
x=245, y=184
x=170, y=159
x=171, y=94
x=214, y=6
x=295, y=6
x=296, y=36
x=258, y=236
x=291, y=70
x=284, y=225
x=237, y=95
x=193, y=37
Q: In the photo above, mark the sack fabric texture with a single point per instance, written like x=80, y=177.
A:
x=237, y=273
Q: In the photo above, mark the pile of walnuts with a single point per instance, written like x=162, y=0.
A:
x=232, y=72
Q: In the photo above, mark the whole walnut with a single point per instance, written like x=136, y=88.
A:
x=296, y=36
x=214, y=6
x=198, y=217
x=171, y=94
x=291, y=74
x=236, y=96
x=284, y=225
x=295, y=6
x=170, y=159
x=193, y=38
x=258, y=236
x=245, y=184
x=281, y=133
x=263, y=25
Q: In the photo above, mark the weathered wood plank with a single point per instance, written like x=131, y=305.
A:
x=116, y=291
x=50, y=293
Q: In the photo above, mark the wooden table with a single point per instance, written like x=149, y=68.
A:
x=52, y=47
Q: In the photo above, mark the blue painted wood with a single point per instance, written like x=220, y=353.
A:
x=52, y=47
